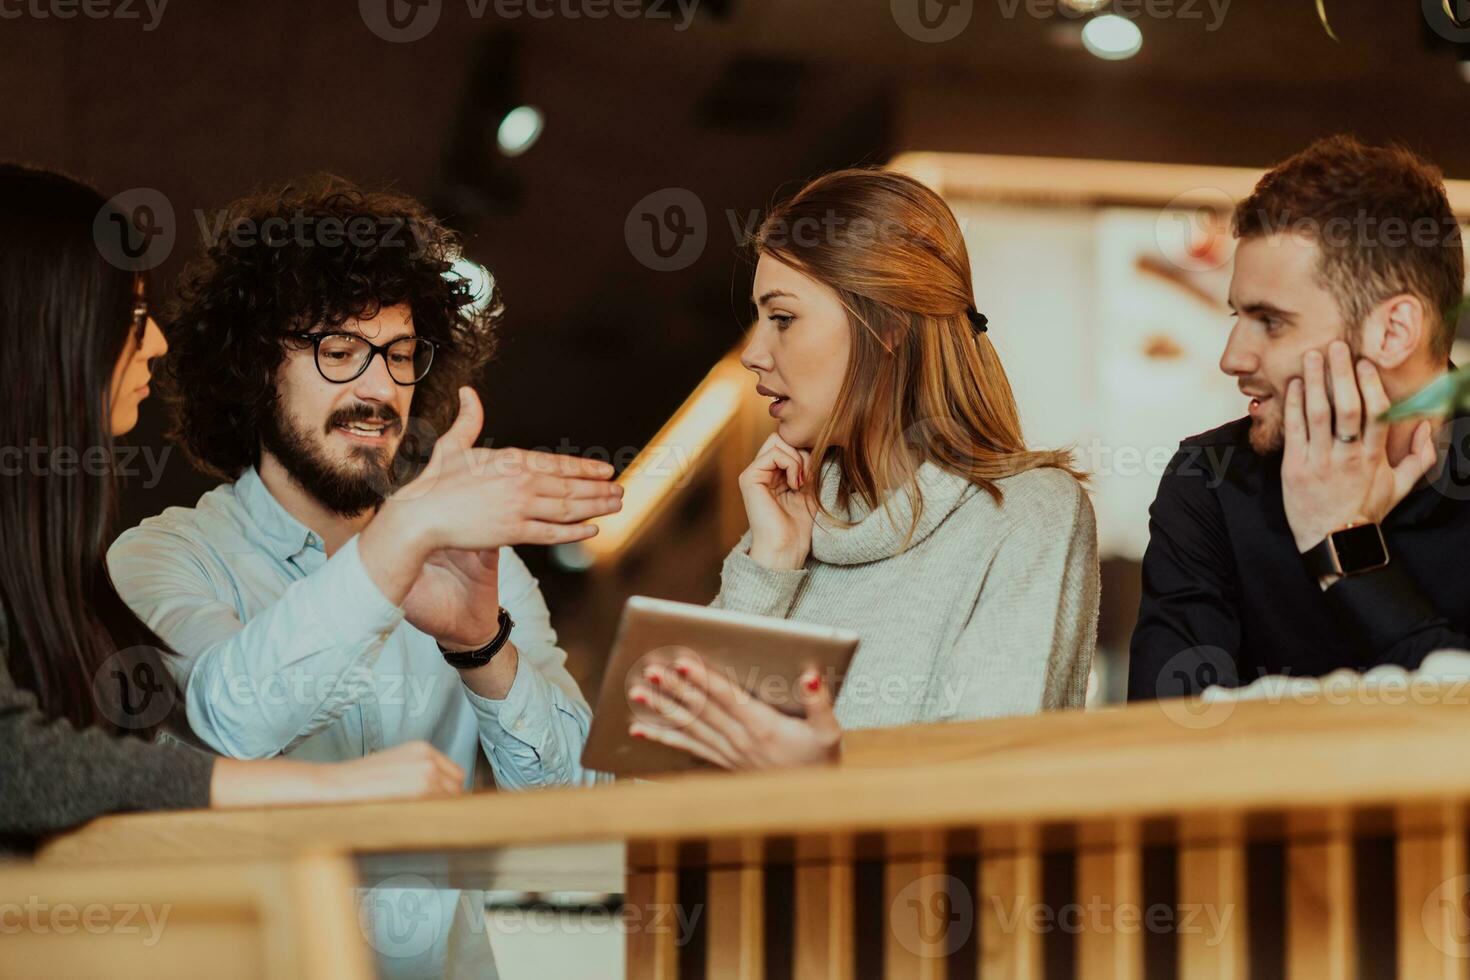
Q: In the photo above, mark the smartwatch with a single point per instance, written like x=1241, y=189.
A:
x=1351, y=550
x=469, y=659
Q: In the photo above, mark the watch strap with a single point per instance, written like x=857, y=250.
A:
x=468, y=659
x=1322, y=560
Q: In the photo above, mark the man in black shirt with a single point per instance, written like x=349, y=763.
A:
x=1310, y=536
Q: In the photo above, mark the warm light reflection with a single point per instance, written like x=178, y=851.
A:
x=670, y=460
x=1058, y=180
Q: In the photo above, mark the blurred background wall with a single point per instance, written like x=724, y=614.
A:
x=685, y=121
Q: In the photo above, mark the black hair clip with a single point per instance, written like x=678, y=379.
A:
x=979, y=321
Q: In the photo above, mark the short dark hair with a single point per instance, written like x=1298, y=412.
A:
x=1401, y=235
x=315, y=252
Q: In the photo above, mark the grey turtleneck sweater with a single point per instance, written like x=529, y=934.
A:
x=990, y=611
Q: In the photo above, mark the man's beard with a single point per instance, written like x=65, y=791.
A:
x=1267, y=434
x=346, y=488
x=1268, y=431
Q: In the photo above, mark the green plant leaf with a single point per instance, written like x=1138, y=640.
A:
x=1444, y=397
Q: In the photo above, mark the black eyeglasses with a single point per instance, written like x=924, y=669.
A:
x=343, y=357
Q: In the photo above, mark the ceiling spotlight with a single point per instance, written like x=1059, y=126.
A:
x=1112, y=38
x=519, y=130
x=481, y=282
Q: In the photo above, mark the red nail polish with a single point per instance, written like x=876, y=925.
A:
x=639, y=699
x=681, y=670
x=813, y=684
x=654, y=680
x=638, y=734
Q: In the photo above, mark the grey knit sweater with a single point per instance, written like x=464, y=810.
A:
x=991, y=610
x=54, y=777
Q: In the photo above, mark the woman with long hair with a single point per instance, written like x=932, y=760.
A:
x=897, y=497
x=84, y=695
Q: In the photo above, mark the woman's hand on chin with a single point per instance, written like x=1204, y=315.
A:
x=706, y=714
x=778, y=504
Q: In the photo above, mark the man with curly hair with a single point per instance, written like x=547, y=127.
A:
x=336, y=596
x=1305, y=537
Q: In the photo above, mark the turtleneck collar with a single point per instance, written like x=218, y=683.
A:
x=879, y=533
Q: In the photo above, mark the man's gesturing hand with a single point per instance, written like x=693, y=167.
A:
x=1330, y=479
x=472, y=499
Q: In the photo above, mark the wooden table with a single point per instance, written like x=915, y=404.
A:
x=1017, y=847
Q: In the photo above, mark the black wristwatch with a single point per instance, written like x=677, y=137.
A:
x=467, y=659
x=1352, y=550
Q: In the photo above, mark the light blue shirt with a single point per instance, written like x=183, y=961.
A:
x=284, y=651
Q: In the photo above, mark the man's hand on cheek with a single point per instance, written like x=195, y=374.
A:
x=1335, y=471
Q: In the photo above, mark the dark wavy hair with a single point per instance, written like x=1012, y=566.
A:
x=315, y=252
x=66, y=314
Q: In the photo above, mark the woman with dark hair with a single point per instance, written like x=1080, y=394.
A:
x=896, y=498
x=83, y=689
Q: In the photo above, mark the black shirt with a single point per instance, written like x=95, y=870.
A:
x=1227, y=598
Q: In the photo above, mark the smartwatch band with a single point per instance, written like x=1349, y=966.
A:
x=1350, y=550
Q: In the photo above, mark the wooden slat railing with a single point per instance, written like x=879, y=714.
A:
x=884, y=837
x=292, y=919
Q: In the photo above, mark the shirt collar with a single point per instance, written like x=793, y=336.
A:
x=282, y=535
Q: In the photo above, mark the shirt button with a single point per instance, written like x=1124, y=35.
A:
x=520, y=725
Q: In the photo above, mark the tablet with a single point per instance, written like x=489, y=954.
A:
x=765, y=656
